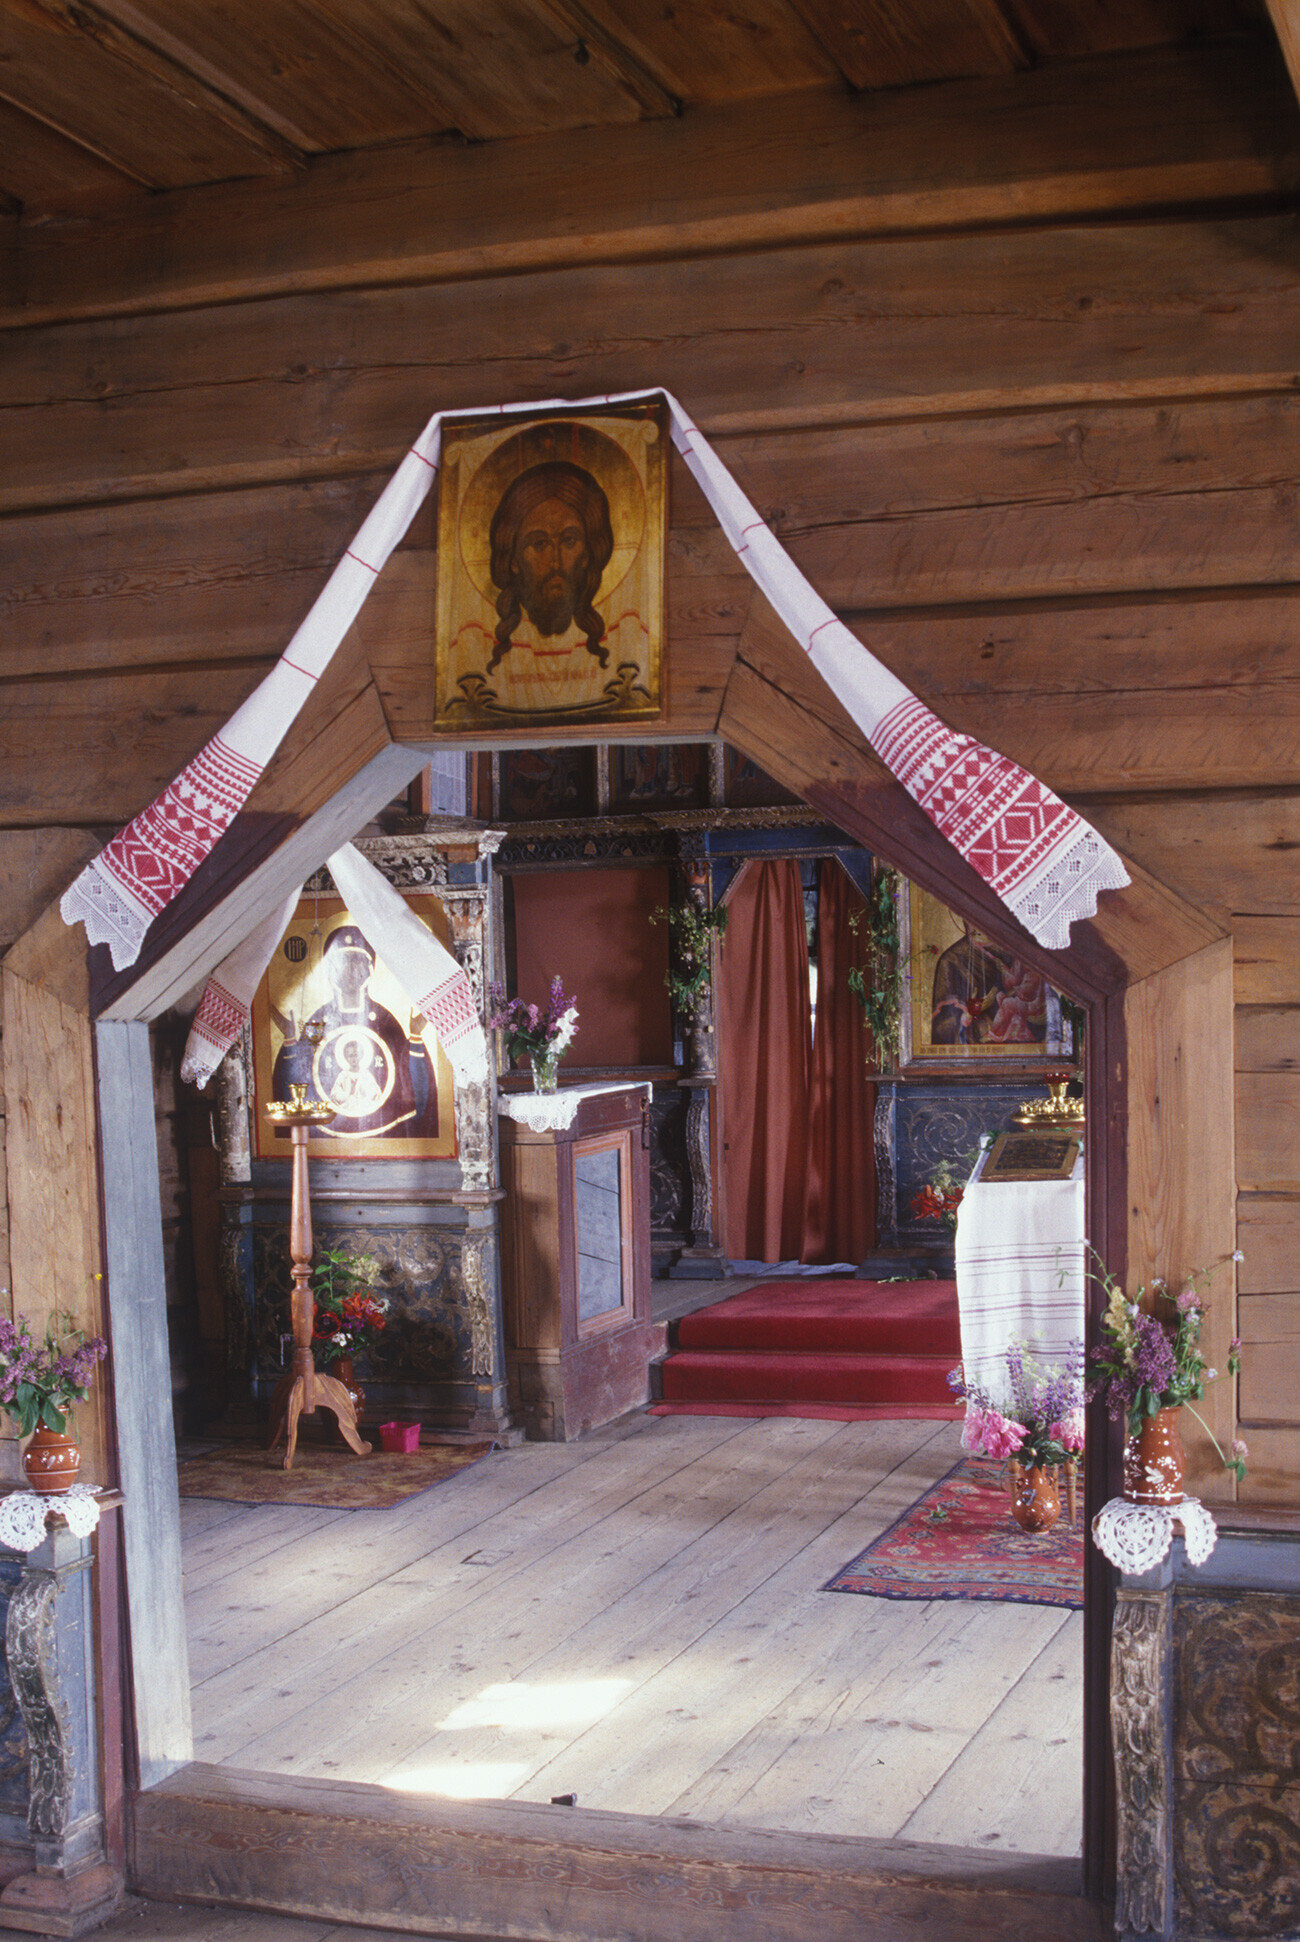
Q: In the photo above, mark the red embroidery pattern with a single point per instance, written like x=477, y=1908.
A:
x=155, y=856
x=449, y=1008
x=1004, y=821
x=220, y=1017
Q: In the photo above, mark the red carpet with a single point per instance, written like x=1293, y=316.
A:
x=835, y=1348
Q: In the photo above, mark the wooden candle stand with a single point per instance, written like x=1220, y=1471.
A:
x=304, y=1389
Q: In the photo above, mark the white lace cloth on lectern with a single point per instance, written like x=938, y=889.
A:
x=23, y=1515
x=1135, y=1537
x=553, y=1112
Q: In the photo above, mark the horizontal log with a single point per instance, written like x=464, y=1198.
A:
x=1268, y=1234
x=312, y=386
x=484, y=1867
x=121, y=738
x=1268, y=1132
x=1266, y=955
x=1269, y=1389
x=217, y=577
x=37, y=865
x=1272, y=1469
x=1268, y=1040
x=1233, y=852
x=1117, y=697
x=1078, y=138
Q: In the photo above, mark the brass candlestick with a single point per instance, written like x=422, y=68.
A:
x=1056, y=1109
x=304, y=1389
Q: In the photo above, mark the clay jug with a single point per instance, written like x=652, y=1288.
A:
x=51, y=1461
x=1035, y=1497
x=1153, y=1461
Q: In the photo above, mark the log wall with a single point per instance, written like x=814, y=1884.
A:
x=1046, y=467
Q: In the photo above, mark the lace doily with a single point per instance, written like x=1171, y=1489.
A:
x=553, y=1112
x=1136, y=1537
x=23, y=1515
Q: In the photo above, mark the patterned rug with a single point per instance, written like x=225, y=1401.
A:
x=328, y=1479
x=961, y=1541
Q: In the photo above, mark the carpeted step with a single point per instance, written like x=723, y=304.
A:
x=759, y=1375
x=832, y=1317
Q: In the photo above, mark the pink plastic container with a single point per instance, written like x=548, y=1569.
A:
x=401, y=1438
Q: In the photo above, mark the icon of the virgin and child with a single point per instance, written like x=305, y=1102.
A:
x=328, y=1027
x=550, y=569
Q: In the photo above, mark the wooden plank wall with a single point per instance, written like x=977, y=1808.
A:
x=47, y=1062
x=1267, y=958
x=1047, y=471
x=1180, y=1065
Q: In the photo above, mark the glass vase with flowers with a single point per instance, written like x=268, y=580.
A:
x=544, y=1033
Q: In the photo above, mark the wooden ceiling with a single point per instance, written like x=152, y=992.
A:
x=104, y=99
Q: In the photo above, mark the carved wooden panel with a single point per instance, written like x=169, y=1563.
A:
x=1237, y=1764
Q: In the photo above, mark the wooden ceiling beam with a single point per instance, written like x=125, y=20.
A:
x=885, y=44
x=212, y=96
x=1145, y=133
x=121, y=24
x=626, y=62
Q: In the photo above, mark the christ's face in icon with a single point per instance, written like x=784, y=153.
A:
x=551, y=561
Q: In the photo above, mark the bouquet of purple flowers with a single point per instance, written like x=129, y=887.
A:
x=40, y=1381
x=1042, y=1421
x=544, y=1035
x=1151, y=1359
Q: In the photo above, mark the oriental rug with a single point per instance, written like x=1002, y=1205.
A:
x=960, y=1541
x=324, y=1478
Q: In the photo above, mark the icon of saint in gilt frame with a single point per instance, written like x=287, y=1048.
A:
x=550, y=564
x=330, y=1015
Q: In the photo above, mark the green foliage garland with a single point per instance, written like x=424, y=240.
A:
x=692, y=931
x=877, y=982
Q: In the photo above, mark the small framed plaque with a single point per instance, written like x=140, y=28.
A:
x=1031, y=1156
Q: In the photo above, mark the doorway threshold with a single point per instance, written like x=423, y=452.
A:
x=351, y=1851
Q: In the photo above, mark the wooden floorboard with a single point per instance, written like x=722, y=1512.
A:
x=638, y=1618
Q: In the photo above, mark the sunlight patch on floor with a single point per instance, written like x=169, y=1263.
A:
x=520, y=1707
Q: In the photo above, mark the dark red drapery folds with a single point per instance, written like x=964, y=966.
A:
x=840, y=1216
x=764, y=1056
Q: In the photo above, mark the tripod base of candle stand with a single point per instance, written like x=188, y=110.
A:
x=299, y=1395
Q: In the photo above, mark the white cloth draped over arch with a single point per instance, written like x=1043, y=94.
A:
x=1040, y=857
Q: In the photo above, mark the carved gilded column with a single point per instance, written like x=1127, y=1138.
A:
x=1140, y=1717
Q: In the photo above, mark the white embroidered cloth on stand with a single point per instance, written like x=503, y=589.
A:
x=555, y=1112
x=1040, y=857
x=1135, y=1537
x=432, y=979
x=24, y=1514
x=1020, y=1271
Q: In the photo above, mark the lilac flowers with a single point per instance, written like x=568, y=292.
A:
x=545, y=1034
x=40, y=1381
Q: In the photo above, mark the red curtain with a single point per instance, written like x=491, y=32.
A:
x=764, y=1030
x=840, y=1217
